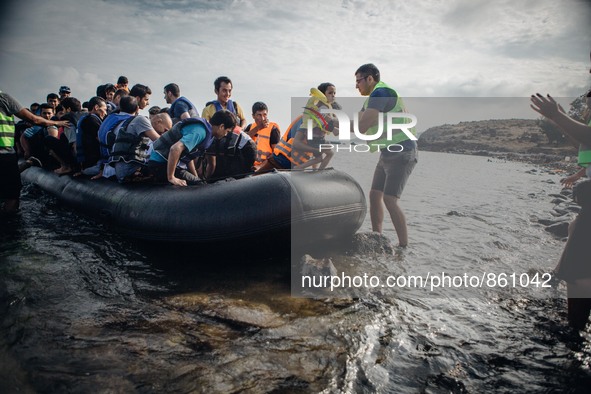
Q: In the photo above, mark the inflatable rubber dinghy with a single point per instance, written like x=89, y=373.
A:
x=311, y=205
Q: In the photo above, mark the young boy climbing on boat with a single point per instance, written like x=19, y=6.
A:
x=322, y=124
x=295, y=150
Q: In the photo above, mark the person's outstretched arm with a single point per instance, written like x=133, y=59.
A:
x=548, y=107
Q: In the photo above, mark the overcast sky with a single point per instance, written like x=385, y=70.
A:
x=274, y=50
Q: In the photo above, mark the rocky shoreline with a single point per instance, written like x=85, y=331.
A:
x=550, y=161
x=506, y=139
x=563, y=212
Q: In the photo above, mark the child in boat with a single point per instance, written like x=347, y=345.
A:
x=322, y=124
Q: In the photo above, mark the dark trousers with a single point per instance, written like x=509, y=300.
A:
x=159, y=171
x=578, y=312
x=61, y=148
x=38, y=149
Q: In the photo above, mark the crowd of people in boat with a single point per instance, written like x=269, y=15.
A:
x=105, y=137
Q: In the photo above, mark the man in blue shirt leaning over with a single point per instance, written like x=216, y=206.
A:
x=172, y=159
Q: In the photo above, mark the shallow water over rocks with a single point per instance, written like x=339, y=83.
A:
x=84, y=310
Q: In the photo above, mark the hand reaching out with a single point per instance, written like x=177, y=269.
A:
x=546, y=106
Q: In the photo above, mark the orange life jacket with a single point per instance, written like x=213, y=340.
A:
x=121, y=87
x=263, y=141
x=285, y=145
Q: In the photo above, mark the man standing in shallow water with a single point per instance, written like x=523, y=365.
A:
x=9, y=168
x=393, y=168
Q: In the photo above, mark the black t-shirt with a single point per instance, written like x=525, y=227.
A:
x=89, y=127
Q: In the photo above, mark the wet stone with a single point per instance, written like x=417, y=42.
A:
x=317, y=267
x=573, y=208
x=233, y=311
x=559, y=212
x=370, y=243
x=549, y=222
x=454, y=213
x=558, y=229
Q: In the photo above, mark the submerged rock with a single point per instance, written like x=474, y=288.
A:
x=233, y=311
x=258, y=315
x=559, y=229
x=562, y=197
x=549, y=222
x=573, y=208
x=370, y=243
x=558, y=212
x=317, y=267
x=454, y=213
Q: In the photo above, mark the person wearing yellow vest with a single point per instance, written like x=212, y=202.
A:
x=264, y=133
x=9, y=169
x=322, y=125
x=223, y=89
x=393, y=168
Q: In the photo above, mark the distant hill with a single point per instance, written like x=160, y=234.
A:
x=489, y=137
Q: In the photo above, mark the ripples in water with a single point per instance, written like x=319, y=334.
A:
x=85, y=310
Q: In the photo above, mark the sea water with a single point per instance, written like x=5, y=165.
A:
x=86, y=310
